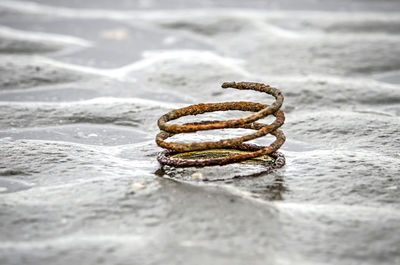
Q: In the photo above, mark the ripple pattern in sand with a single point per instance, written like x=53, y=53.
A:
x=81, y=89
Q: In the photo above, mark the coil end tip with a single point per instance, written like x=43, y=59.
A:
x=228, y=84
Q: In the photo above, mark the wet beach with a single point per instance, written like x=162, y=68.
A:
x=82, y=84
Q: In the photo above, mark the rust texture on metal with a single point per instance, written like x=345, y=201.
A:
x=237, y=143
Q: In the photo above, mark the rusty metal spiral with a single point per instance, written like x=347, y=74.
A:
x=169, y=156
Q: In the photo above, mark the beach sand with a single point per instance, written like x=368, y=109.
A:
x=82, y=84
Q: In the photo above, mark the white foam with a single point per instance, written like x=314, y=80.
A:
x=255, y=14
x=74, y=240
x=198, y=56
x=96, y=101
x=41, y=36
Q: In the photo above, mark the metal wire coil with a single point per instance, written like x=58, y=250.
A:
x=169, y=156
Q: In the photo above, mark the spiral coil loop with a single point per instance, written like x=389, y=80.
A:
x=261, y=111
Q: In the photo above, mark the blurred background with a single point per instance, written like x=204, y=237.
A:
x=82, y=84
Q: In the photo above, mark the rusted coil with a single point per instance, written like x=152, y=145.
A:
x=261, y=111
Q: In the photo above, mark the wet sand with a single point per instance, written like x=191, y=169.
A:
x=83, y=84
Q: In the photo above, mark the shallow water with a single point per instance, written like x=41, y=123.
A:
x=82, y=85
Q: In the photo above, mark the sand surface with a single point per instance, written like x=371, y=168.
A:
x=82, y=84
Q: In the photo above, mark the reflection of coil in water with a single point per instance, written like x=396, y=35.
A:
x=173, y=155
